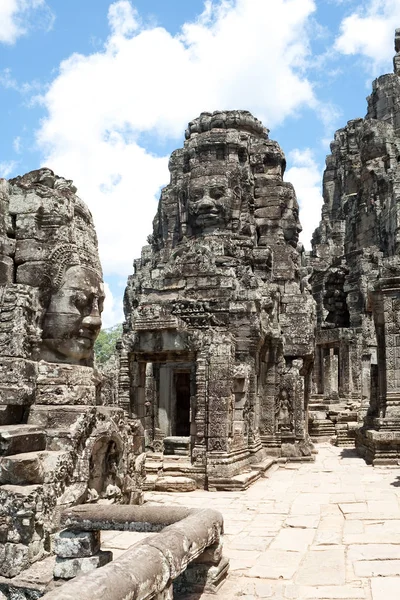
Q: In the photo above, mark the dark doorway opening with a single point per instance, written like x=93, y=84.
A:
x=182, y=395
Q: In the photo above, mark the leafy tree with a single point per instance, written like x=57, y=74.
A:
x=104, y=346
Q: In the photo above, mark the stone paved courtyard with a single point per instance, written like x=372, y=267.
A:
x=323, y=530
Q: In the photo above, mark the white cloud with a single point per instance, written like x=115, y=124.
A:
x=148, y=83
x=122, y=18
x=369, y=31
x=306, y=176
x=17, y=144
x=112, y=312
x=18, y=16
x=7, y=167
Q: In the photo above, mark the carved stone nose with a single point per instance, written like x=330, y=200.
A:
x=206, y=202
x=92, y=321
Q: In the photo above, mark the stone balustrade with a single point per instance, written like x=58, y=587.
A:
x=185, y=556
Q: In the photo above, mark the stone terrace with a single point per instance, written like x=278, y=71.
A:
x=323, y=530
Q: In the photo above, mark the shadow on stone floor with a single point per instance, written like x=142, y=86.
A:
x=349, y=453
x=396, y=483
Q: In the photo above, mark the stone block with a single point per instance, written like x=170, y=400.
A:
x=17, y=439
x=10, y=414
x=18, y=381
x=212, y=554
x=173, y=484
x=202, y=577
x=28, y=272
x=21, y=469
x=67, y=568
x=6, y=270
x=76, y=544
x=64, y=394
x=13, y=559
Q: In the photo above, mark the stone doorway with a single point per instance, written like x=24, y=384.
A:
x=182, y=403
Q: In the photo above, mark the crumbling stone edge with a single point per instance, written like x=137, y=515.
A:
x=188, y=552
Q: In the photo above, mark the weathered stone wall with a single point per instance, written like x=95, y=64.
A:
x=218, y=340
x=57, y=445
x=355, y=278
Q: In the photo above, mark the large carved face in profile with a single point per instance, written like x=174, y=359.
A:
x=72, y=320
x=210, y=202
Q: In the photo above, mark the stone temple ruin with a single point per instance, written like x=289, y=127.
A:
x=239, y=348
x=356, y=281
x=58, y=445
x=217, y=350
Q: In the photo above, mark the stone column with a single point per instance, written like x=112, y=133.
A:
x=331, y=375
x=379, y=440
x=124, y=381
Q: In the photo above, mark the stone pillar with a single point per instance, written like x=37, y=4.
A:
x=365, y=385
x=331, y=375
x=345, y=370
x=379, y=440
x=124, y=381
x=199, y=434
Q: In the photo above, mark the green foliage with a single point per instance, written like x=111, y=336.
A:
x=104, y=346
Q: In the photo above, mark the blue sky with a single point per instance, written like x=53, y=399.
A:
x=101, y=92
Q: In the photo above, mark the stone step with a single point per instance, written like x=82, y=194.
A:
x=57, y=417
x=235, y=483
x=264, y=466
x=60, y=440
x=15, y=439
x=31, y=468
x=153, y=467
x=175, y=484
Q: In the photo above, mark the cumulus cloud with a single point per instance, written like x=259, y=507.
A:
x=306, y=176
x=18, y=16
x=369, y=31
x=102, y=108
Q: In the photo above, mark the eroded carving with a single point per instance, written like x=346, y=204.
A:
x=225, y=271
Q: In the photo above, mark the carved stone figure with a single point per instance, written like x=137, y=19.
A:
x=216, y=301
x=72, y=320
x=356, y=281
x=54, y=436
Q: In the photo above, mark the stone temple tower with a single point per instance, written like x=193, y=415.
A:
x=356, y=279
x=218, y=341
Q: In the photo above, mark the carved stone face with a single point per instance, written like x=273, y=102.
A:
x=210, y=202
x=72, y=321
x=291, y=224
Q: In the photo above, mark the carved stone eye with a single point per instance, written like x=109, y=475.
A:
x=217, y=193
x=80, y=301
x=196, y=195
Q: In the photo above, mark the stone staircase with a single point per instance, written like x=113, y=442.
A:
x=34, y=459
x=320, y=426
x=23, y=463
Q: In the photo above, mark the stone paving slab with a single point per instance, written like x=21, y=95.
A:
x=328, y=530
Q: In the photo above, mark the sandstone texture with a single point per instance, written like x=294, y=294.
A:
x=217, y=349
x=58, y=444
x=356, y=282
